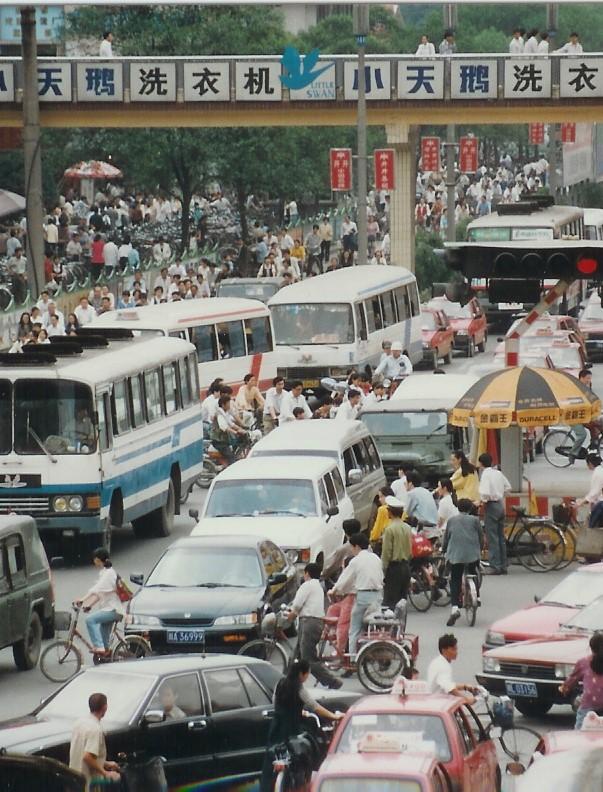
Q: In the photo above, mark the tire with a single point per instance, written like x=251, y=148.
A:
x=448, y=357
x=551, y=546
x=270, y=651
x=557, y=438
x=60, y=661
x=470, y=603
x=132, y=647
x=26, y=652
x=532, y=708
x=570, y=547
x=380, y=664
x=420, y=593
x=434, y=359
x=482, y=347
x=158, y=523
x=520, y=743
x=470, y=348
x=209, y=473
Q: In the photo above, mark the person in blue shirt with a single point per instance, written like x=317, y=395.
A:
x=420, y=505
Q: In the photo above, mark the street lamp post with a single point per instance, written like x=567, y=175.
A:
x=361, y=30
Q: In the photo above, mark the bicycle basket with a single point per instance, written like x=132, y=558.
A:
x=502, y=713
x=561, y=514
x=62, y=621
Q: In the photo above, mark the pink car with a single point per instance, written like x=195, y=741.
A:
x=376, y=772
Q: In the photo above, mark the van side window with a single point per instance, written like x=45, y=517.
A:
x=4, y=584
x=119, y=408
x=137, y=400
x=102, y=408
x=389, y=308
x=231, y=339
x=169, y=388
x=257, y=332
x=331, y=494
x=337, y=481
x=204, y=339
x=153, y=394
x=348, y=460
x=372, y=453
x=16, y=560
x=414, y=299
x=322, y=494
x=185, y=382
x=361, y=456
x=402, y=303
x=361, y=327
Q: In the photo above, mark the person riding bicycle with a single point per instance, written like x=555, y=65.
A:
x=225, y=434
x=103, y=594
x=249, y=399
x=462, y=548
x=594, y=496
x=395, y=366
x=580, y=431
x=439, y=671
x=290, y=700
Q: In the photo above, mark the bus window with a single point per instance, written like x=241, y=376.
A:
x=204, y=339
x=186, y=393
x=402, y=303
x=259, y=338
x=153, y=394
x=121, y=417
x=104, y=437
x=361, y=327
x=389, y=308
x=137, y=401
x=373, y=311
x=231, y=339
x=6, y=418
x=193, y=374
x=414, y=299
x=169, y=388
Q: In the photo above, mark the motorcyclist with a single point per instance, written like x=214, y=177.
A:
x=224, y=434
x=394, y=366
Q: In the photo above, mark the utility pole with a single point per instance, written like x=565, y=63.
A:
x=32, y=153
x=552, y=26
x=450, y=22
x=361, y=30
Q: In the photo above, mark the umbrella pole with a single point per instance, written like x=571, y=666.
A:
x=512, y=339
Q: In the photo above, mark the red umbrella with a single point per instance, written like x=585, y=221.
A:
x=93, y=169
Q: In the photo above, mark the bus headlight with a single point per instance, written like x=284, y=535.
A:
x=292, y=556
x=76, y=503
x=64, y=504
x=60, y=504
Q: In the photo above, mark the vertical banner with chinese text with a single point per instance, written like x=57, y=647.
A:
x=430, y=154
x=384, y=169
x=468, y=154
x=341, y=169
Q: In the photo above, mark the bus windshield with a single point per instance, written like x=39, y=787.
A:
x=53, y=417
x=313, y=323
x=406, y=424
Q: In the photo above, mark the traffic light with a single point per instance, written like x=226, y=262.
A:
x=568, y=260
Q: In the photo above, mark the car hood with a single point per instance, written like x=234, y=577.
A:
x=534, y=622
x=197, y=602
x=27, y=734
x=556, y=648
x=284, y=530
x=571, y=740
x=591, y=327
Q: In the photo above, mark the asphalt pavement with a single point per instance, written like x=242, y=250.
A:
x=22, y=691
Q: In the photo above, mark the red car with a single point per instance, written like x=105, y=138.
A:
x=557, y=607
x=443, y=725
x=557, y=741
x=437, y=336
x=591, y=326
x=391, y=769
x=468, y=323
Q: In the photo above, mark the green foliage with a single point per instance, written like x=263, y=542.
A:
x=429, y=268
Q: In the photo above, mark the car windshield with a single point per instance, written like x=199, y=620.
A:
x=313, y=323
x=565, y=357
x=250, y=291
x=52, y=417
x=250, y=497
x=593, y=311
x=203, y=566
x=375, y=783
x=576, y=590
x=589, y=618
x=406, y=424
x=125, y=693
x=414, y=729
x=428, y=321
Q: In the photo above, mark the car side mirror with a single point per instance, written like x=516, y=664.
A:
x=332, y=511
x=153, y=716
x=277, y=579
x=137, y=579
x=354, y=476
x=57, y=562
x=194, y=513
x=537, y=598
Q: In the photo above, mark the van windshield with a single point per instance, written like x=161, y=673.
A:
x=407, y=424
x=313, y=323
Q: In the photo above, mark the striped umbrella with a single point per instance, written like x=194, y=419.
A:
x=525, y=396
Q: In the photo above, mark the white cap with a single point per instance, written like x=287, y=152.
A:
x=397, y=346
x=390, y=500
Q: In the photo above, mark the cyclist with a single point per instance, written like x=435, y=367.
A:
x=462, y=547
x=439, y=672
x=103, y=594
x=580, y=430
x=225, y=434
x=594, y=496
x=395, y=366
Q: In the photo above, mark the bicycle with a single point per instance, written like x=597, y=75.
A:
x=271, y=646
x=62, y=659
x=559, y=441
x=536, y=542
x=295, y=760
x=469, y=598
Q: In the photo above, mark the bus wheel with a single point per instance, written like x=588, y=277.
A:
x=159, y=522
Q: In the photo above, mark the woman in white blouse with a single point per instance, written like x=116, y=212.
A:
x=425, y=48
x=103, y=595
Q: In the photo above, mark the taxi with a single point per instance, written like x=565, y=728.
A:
x=556, y=323
x=381, y=764
x=444, y=726
x=437, y=336
x=591, y=326
x=591, y=734
x=544, y=616
x=467, y=321
x=566, y=355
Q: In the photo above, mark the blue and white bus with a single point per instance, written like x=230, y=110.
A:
x=101, y=437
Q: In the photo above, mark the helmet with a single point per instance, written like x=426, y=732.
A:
x=397, y=346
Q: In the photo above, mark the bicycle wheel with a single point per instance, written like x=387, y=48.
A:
x=556, y=446
x=470, y=602
x=380, y=664
x=271, y=651
x=420, y=592
x=60, y=661
x=570, y=546
x=549, y=546
x=519, y=744
x=131, y=647
x=442, y=599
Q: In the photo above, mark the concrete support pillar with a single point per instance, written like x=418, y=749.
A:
x=403, y=139
x=511, y=456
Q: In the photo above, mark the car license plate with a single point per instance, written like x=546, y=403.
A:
x=311, y=383
x=510, y=306
x=185, y=636
x=528, y=689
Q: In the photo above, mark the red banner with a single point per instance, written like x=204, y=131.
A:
x=341, y=169
x=430, y=154
x=468, y=154
x=384, y=169
x=536, y=134
x=568, y=133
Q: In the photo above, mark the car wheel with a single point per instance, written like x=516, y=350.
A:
x=27, y=651
x=448, y=357
x=482, y=347
x=434, y=359
x=532, y=708
x=470, y=348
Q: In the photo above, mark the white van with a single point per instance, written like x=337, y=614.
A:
x=299, y=504
x=348, y=442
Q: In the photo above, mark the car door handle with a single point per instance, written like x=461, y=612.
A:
x=267, y=714
x=197, y=725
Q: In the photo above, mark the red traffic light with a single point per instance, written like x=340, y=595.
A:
x=587, y=265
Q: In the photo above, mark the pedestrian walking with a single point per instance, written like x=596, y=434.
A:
x=462, y=547
x=464, y=478
x=531, y=45
x=88, y=750
x=396, y=554
x=594, y=496
x=571, y=47
x=543, y=44
x=326, y=236
x=379, y=517
x=516, y=44
x=493, y=486
x=439, y=671
x=106, y=45
x=588, y=671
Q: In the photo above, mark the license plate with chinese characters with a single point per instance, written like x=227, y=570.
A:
x=185, y=636
x=526, y=689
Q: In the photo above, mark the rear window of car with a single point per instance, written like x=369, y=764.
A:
x=369, y=784
x=425, y=732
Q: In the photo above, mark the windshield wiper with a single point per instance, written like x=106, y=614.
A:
x=219, y=585
x=31, y=432
x=280, y=511
x=437, y=429
x=161, y=585
x=234, y=514
x=559, y=604
x=575, y=628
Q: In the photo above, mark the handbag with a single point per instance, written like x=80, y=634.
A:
x=421, y=546
x=123, y=591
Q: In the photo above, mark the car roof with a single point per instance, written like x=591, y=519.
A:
x=312, y=434
x=228, y=540
x=169, y=664
x=419, y=702
x=378, y=763
x=283, y=467
x=9, y=523
x=424, y=394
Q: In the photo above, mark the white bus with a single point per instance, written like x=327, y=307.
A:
x=327, y=325
x=233, y=337
x=529, y=220
x=593, y=224
x=106, y=436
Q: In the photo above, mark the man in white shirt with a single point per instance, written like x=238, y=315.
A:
x=209, y=405
x=88, y=750
x=493, y=486
x=290, y=400
x=111, y=255
x=106, y=50
x=572, y=47
x=162, y=252
x=394, y=366
x=594, y=496
x=177, y=268
x=348, y=229
x=516, y=43
x=439, y=671
x=309, y=606
x=531, y=46
x=543, y=44
x=272, y=404
x=350, y=407
x=377, y=394
x=163, y=280
x=399, y=487
x=364, y=575
x=53, y=311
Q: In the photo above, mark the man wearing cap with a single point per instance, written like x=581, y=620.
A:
x=386, y=346
x=396, y=365
x=396, y=554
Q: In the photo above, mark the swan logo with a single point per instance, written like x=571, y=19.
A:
x=13, y=482
x=300, y=69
